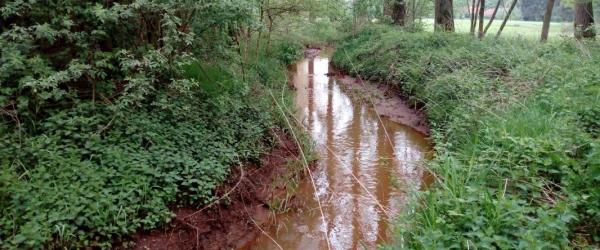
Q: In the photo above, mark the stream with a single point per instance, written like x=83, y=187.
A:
x=367, y=167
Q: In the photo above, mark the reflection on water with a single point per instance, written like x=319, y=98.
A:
x=365, y=164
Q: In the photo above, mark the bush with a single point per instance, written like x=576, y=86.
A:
x=515, y=128
x=111, y=112
x=91, y=176
x=288, y=52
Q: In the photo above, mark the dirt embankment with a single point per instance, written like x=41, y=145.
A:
x=311, y=52
x=387, y=101
x=234, y=221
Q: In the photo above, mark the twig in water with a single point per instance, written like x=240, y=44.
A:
x=305, y=165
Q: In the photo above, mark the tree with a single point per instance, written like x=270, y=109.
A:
x=512, y=7
x=584, y=19
x=274, y=10
x=399, y=12
x=492, y=17
x=481, y=13
x=547, y=16
x=475, y=6
x=444, y=16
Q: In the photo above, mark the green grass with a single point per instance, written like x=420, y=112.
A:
x=515, y=125
x=513, y=28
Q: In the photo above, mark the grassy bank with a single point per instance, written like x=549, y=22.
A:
x=516, y=127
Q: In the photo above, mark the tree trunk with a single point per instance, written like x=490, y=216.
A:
x=472, y=10
x=493, y=17
x=444, y=16
x=584, y=19
x=387, y=7
x=481, y=12
x=270, y=30
x=262, y=17
x=413, y=13
x=512, y=7
x=547, y=16
x=399, y=12
x=469, y=10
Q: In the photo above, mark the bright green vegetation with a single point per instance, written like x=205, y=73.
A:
x=111, y=113
x=114, y=112
x=516, y=126
x=513, y=28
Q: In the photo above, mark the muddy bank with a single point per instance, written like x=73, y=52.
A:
x=368, y=164
x=387, y=101
x=311, y=52
x=234, y=221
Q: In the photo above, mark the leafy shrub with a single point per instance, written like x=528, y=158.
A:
x=91, y=176
x=111, y=112
x=288, y=52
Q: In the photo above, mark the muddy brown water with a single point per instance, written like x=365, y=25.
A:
x=367, y=167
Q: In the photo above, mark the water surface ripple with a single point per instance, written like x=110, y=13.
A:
x=359, y=171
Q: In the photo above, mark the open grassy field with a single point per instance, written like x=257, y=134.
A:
x=515, y=28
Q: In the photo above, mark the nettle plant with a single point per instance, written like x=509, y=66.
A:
x=101, y=127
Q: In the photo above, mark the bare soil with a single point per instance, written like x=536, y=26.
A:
x=234, y=221
x=311, y=52
x=387, y=101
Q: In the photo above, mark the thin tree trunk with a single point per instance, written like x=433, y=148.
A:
x=414, y=11
x=354, y=18
x=239, y=50
x=493, y=17
x=474, y=7
x=547, y=16
x=270, y=27
x=469, y=9
x=262, y=17
x=584, y=19
x=481, y=12
x=512, y=7
x=399, y=12
x=444, y=15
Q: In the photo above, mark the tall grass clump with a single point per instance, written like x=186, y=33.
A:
x=515, y=126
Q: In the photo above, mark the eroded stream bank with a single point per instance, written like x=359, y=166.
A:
x=367, y=163
x=233, y=221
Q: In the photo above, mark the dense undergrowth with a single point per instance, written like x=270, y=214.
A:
x=111, y=113
x=516, y=126
x=317, y=34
